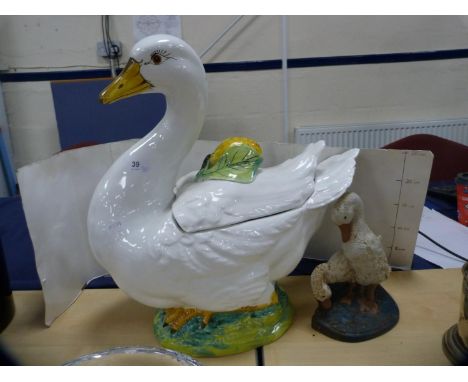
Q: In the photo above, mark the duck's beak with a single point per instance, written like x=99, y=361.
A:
x=126, y=84
x=345, y=232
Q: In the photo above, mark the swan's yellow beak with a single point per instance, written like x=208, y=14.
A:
x=126, y=84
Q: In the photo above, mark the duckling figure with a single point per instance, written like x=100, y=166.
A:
x=362, y=262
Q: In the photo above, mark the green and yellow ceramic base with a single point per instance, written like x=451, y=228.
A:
x=227, y=332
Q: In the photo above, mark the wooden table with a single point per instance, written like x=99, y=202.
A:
x=102, y=318
x=98, y=320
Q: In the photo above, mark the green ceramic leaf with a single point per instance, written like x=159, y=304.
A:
x=238, y=164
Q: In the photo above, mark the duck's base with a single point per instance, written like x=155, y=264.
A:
x=227, y=332
x=346, y=322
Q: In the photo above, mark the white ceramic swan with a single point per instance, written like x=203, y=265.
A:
x=220, y=245
x=213, y=245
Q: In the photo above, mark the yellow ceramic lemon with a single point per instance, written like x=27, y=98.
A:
x=234, y=141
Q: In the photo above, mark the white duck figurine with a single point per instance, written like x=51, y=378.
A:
x=220, y=245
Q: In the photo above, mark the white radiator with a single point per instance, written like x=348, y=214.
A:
x=376, y=135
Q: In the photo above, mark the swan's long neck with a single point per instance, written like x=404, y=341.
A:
x=161, y=152
x=141, y=181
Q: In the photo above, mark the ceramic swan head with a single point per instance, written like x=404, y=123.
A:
x=158, y=64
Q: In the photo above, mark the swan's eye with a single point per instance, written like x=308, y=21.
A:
x=156, y=58
x=159, y=56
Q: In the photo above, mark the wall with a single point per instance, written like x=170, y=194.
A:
x=250, y=103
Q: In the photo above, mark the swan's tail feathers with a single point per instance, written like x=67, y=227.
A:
x=312, y=150
x=55, y=194
x=305, y=160
x=333, y=177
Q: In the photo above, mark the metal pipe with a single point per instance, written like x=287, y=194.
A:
x=284, y=70
x=220, y=36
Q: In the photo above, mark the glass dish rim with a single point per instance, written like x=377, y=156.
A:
x=185, y=359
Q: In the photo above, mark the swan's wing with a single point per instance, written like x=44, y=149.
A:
x=226, y=268
x=334, y=176
x=214, y=204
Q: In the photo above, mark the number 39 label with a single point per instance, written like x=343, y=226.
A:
x=138, y=166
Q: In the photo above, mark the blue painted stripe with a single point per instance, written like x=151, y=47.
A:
x=244, y=66
x=384, y=58
x=54, y=76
